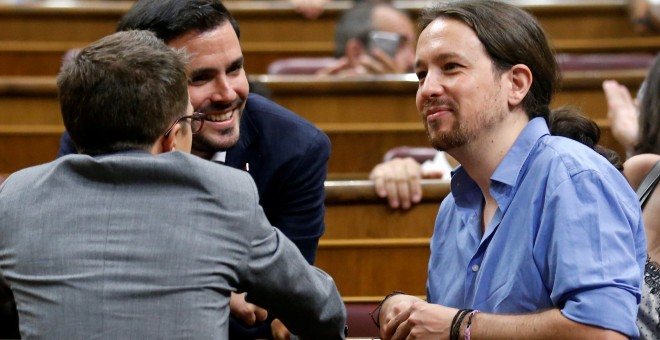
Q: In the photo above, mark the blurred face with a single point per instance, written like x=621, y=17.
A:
x=390, y=20
x=459, y=95
x=218, y=86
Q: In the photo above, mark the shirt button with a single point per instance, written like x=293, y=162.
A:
x=475, y=267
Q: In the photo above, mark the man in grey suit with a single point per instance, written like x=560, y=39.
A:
x=129, y=240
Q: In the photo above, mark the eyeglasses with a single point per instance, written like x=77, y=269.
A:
x=196, y=123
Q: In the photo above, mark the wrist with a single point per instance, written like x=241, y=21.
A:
x=466, y=333
x=375, y=314
x=461, y=324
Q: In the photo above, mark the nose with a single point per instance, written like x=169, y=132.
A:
x=223, y=90
x=432, y=86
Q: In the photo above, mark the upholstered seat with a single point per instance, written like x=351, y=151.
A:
x=420, y=154
x=604, y=61
x=359, y=321
x=299, y=65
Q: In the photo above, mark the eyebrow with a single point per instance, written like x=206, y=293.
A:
x=206, y=70
x=237, y=63
x=441, y=57
x=200, y=71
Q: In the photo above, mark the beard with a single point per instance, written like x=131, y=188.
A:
x=212, y=141
x=211, y=145
x=465, y=128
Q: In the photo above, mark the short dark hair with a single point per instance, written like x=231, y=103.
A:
x=649, y=112
x=122, y=92
x=510, y=36
x=170, y=19
x=354, y=23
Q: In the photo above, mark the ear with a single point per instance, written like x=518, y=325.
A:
x=354, y=49
x=520, y=78
x=169, y=143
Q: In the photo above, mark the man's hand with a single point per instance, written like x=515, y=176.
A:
x=622, y=113
x=246, y=312
x=399, y=180
x=279, y=331
x=378, y=62
x=404, y=315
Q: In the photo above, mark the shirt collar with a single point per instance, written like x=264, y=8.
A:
x=509, y=169
x=219, y=156
x=465, y=190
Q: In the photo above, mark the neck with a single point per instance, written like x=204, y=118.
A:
x=481, y=157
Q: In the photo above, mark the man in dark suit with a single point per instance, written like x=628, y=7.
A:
x=286, y=155
x=129, y=240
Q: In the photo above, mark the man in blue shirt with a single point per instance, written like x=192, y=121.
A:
x=541, y=236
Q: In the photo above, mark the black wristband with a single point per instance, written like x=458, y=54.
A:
x=455, y=328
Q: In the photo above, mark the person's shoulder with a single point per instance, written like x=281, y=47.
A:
x=563, y=159
x=276, y=123
x=211, y=176
x=637, y=167
x=575, y=156
x=33, y=171
x=25, y=178
x=265, y=112
x=201, y=167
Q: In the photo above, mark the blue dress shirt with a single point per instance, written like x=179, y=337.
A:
x=567, y=234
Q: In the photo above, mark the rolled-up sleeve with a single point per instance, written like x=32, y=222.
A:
x=594, y=261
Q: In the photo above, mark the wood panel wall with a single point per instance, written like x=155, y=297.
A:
x=35, y=35
x=364, y=117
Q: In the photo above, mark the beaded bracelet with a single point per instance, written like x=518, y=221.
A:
x=469, y=323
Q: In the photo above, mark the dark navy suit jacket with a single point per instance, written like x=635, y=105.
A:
x=287, y=157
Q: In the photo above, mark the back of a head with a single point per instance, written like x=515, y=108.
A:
x=355, y=23
x=122, y=92
x=510, y=36
x=649, y=112
x=570, y=123
x=170, y=19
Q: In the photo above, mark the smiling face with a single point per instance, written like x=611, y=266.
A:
x=460, y=95
x=218, y=86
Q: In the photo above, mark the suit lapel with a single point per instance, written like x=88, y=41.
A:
x=246, y=150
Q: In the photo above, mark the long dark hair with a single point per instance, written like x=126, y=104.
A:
x=568, y=122
x=649, y=112
x=510, y=36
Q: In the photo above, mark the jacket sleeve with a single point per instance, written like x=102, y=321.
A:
x=301, y=212
x=278, y=278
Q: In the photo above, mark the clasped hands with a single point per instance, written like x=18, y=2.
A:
x=409, y=317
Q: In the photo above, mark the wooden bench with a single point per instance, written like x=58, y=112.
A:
x=34, y=35
x=370, y=249
x=391, y=98
x=364, y=117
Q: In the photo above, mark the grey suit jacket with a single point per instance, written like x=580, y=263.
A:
x=133, y=245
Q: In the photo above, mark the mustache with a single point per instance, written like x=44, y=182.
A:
x=220, y=106
x=435, y=102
